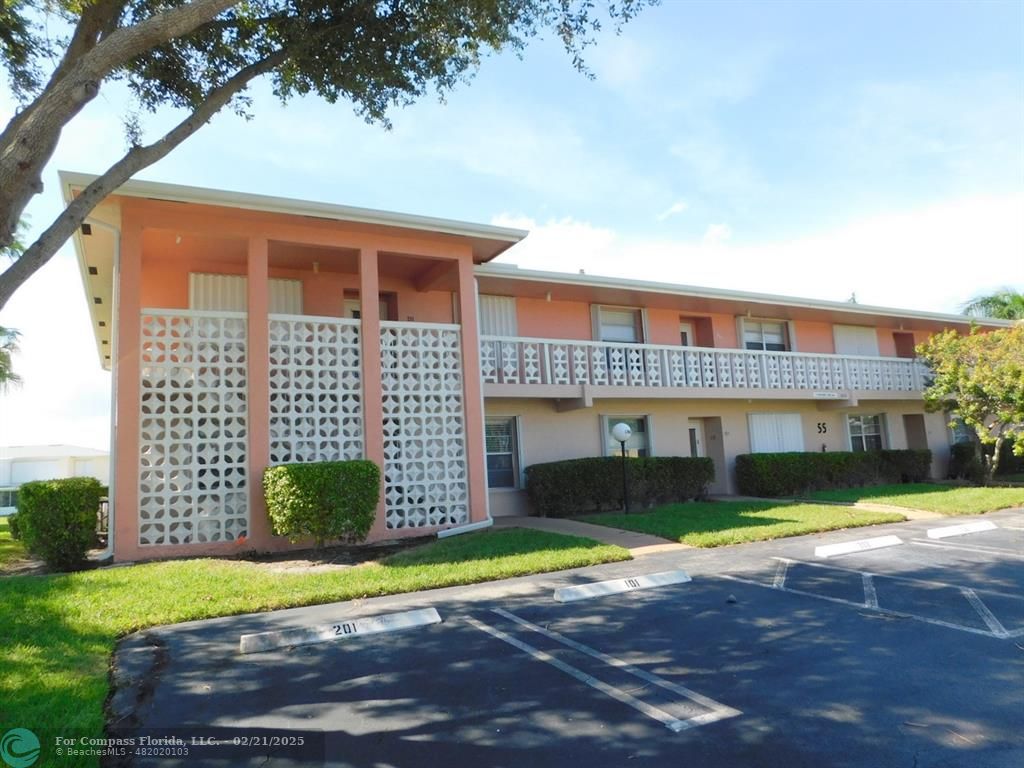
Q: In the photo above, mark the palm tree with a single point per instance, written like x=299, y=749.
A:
x=1004, y=304
x=8, y=346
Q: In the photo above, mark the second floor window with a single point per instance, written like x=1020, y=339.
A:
x=621, y=325
x=767, y=335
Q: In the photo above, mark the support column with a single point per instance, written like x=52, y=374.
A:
x=373, y=406
x=125, y=447
x=473, y=401
x=258, y=383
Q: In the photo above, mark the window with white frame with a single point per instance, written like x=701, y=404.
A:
x=961, y=433
x=620, y=324
x=768, y=335
x=501, y=446
x=639, y=443
x=775, y=432
x=866, y=432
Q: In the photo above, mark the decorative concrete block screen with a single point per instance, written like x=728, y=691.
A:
x=193, y=427
x=425, y=482
x=316, y=399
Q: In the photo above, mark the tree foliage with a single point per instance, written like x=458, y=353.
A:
x=199, y=56
x=980, y=379
x=1004, y=304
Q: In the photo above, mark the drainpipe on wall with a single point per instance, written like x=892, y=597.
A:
x=108, y=551
x=488, y=521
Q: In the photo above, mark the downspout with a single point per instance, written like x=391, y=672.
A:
x=108, y=551
x=488, y=521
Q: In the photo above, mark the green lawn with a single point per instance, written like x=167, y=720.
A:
x=717, y=523
x=10, y=550
x=944, y=499
x=57, y=632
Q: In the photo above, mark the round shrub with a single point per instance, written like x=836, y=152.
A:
x=325, y=500
x=57, y=519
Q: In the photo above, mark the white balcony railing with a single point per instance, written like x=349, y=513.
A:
x=511, y=360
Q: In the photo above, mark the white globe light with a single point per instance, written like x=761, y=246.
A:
x=621, y=432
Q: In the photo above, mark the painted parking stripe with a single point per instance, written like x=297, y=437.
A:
x=881, y=611
x=675, y=724
x=862, y=545
x=780, y=574
x=961, y=530
x=721, y=710
x=342, y=630
x=983, y=549
x=895, y=577
x=615, y=586
x=870, y=595
x=986, y=615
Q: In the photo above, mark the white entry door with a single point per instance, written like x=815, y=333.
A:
x=695, y=434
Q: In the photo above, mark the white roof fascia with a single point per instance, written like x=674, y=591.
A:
x=202, y=195
x=509, y=272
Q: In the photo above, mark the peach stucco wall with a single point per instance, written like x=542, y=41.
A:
x=154, y=279
x=553, y=319
x=814, y=337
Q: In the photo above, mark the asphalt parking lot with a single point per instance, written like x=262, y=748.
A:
x=912, y=655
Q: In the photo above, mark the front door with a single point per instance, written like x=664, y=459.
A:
x=695, y=430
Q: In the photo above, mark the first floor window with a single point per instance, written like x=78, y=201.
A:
x=639, y=443
x=500, y=439
x=9, y=497
x=866, y=433
x=961, y=432
x=775, y=432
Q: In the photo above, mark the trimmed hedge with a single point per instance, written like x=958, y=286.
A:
x=563, y=488
x=12, y=527
x=57, y=519
x=787, y=474
x=326, y=500
x=965, y=462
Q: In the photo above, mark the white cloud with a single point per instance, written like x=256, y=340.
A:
x=680, y=206
x=929, y=258
x=717, y=234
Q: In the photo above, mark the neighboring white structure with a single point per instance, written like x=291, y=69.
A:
x=23, y=463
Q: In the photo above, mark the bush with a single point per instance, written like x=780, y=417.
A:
x=965, y=462
x=563, y=488
x=787, y=474
x=57, y=519
x=324, y=500
x=12, y=527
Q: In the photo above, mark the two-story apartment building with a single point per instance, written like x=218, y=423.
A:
x=238, y=336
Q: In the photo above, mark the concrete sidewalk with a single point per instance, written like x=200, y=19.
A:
x=638, y=544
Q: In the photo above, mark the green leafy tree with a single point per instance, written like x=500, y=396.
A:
x=199, y=56
x=980, y=379
x=8, y=346
x=1004, y=304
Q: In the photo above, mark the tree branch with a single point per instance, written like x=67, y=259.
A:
x=43, y=249
x=28, y=142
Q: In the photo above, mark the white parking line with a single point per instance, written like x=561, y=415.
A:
x=983, y=549
x=870, y=596
x=780, y=574
x=896, y=577
x=882, y=611
x=716, y=711
x=986, y=615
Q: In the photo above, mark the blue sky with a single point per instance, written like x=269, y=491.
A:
x=818, y=149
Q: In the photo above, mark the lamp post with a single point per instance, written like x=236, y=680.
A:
x=622, y=432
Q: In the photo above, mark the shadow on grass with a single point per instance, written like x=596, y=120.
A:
x=717, y=523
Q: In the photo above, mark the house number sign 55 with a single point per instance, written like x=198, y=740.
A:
x=822, y=428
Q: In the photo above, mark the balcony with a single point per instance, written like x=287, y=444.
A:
x=554, y=367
